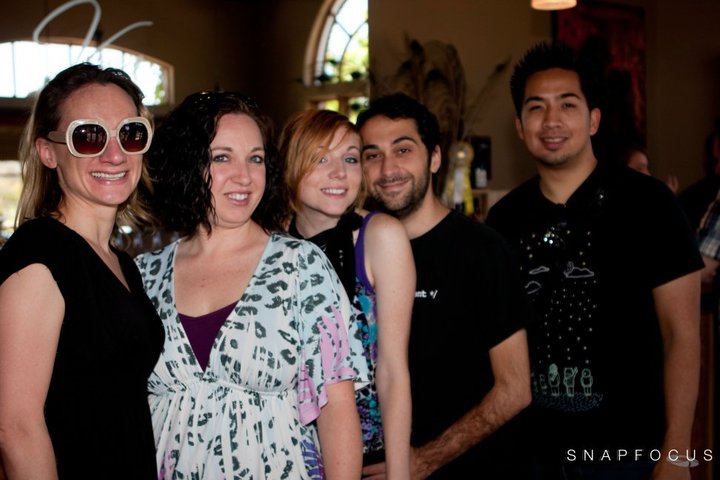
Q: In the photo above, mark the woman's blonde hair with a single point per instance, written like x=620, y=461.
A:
x=41, y=195
x=304, y=141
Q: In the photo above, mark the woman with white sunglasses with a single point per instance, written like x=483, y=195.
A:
x=78, y=335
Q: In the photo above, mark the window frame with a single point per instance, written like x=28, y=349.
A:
x=167, y=69
x=320, y=92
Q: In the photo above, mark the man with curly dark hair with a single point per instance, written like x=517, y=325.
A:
x=468, y=358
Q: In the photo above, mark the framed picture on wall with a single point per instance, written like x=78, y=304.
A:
x=614, y=36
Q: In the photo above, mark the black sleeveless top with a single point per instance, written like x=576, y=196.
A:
x=96, y=409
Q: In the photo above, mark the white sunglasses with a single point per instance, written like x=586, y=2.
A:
x=88, y=137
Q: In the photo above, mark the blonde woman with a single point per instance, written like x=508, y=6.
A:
x=78, y=335
x=371, y=253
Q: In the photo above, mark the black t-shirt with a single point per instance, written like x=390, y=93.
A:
x=96, y=408
x=589, y=268
x=468, y=299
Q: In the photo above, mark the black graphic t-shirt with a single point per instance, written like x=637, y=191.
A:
x=561, y=278
x=589, y=267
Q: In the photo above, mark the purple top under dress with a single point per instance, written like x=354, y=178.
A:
x=201, y=331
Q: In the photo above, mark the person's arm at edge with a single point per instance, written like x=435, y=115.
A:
x=709, y=270
x=509, y=395
x=339, y=433
x=31, y=313
x=678, y=308
x=708, y=236
x=392, y=268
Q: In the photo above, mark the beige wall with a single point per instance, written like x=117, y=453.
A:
x=485, y=33
x=683, y=61
x=208, y=41
x=252, y=46
x=683, y=84
x=258, y=46
x=287, y=26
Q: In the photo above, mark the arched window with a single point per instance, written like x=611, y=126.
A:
x=26, y=66
x=337, y=57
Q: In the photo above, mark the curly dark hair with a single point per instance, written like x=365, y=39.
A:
x=401, y=106
x=544, y=56
x=179, y=163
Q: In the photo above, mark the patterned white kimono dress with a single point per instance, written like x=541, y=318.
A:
x=250, y=413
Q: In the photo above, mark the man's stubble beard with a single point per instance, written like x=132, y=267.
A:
x=410, y=203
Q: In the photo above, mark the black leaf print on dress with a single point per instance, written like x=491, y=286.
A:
x=310, y=303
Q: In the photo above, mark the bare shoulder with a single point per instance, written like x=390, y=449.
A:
x=387, y=248
x=34, y=275
x=383, y=227
x=388, y=254
x=31, y=291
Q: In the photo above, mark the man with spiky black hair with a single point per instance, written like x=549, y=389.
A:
x=612, y=269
